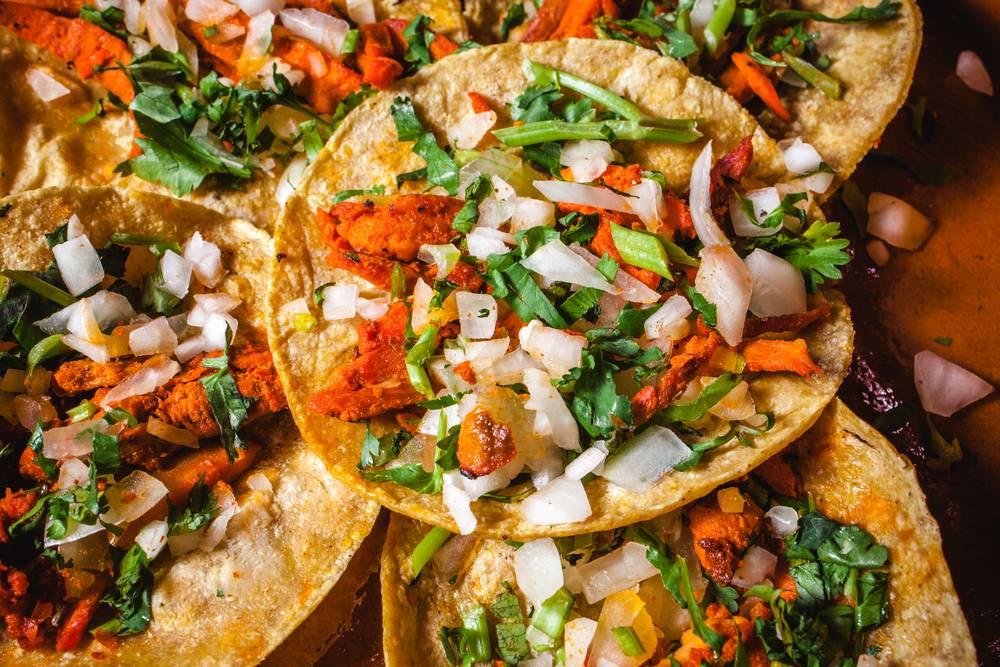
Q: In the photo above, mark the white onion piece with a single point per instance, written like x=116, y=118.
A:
x=206, y=260
x=508, y=369
x=190, y=348
x=784, y=520
x=94, y=351
x=450, y=559
x=361, y=12
x=259, y=482
x=560, y=501
x=290, y=179
x=484, y=353
x=896, y=222
x=530, y=213
x=228, y=32
x=84, y=325
x=206, y=304
x=30, y=410
x=758, y=564
x=700, y=201
x=152, y=538
x=493, y=162
x=172, y=434
x=723, y=279
x=219, y=331
x=669, y=319
x=227, y=507
x=764, y=202
x=778, y=287
x=583, y=195
x=131, y=497
x=259, y=35
x=185, y=542
x=736, y=405
x=255, y=7
x=701, y=13
x=154, y=373
x=632, y=289
x=160, y=24
x=577, y=636
x=420, y=308
x=494, y=211
x=71, y=440
x=590, y=461
x=470, y=130
x=340, y=302
x=818, y=182
x=558, y=351
x=587, y=159
x=137, y=45
x=108, y=307
x=549, y=403
x=496, y=480
x=209, y=12
x=325, y=31
x=557, y=262
x=945, y=387
x=640, y=463
x=457, y=502
x=154, y=338
x=133, y=18
x=621, y=569
x=474, y=322
x=800, y=157
x=373, y=309
x=89, y=553
x=45, y=86
x=176, y=272
x=647, y=203
x=444, y=257
x=74, y=227
x=74, y=531
x=972, y=72
x=542, y=659
x=72, y=472
x=483, y=242
x=79, y=265
x=538, y=570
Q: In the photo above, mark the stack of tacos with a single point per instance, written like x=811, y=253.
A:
x=564, y=305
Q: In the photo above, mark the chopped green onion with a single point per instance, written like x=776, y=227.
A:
x=542, y=74
x=628, y=640
x=351, y=41
x=715, y=31
x=464, y=156
x=426, y=548
x=85, y=410
x=46, y=348
x=415, y=358
x=477, y=634
x=642, y=250
x=813, y=76
x=540, y=132
x=122, y=238
x=38, y=286
x=550, y=618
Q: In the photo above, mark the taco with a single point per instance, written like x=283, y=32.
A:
x=223, y=103
x=575, y=318
x=825, y=554
x=159, y=505
x=831, y=72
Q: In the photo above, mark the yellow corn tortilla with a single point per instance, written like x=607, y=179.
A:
x=874, y=62
x=282, y=556
x=850, y=470
x=365, y=152
x=42, y=145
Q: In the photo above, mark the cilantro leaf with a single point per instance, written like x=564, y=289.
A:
x=229, y=407
x=817, y=253
x=131, y=595
x=201, y=508
x=379, y=451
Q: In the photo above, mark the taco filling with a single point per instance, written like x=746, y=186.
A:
x=757, y=50
x=220, y=90
x=128, y=398
x=751, y=575
x=546, y=312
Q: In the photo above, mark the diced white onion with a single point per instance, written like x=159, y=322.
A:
x=492, y=162
x=474, y=323
x=972, y=72
x=444, y=257
x=538, y=570
x=647, y=203
x=154, y=338
x=79, y=264
x=583, y=195
x=495, y=211
x=176, y=272
x=549, y=403
x=757, y=565
x=152, y=538
x=736, y=405
x=94, y=351
x=587, y=159
x=577, y=636
x=701, y=13
x=259, y=482
x=621, y=569
x=46, y=86
x=108, y=307
x=227, y=507
x=361, y=12
x=420, y=308
x=496, y=480
x=778, y=287
x=89, y=553
x=723, y=279
x=764, y=200
x=325, y=31
x=558, y=351
x=530, y=213
x=206, y=304
x=945, y=387
x=190, y=348
x=154, y=373
x=172, y=434
x=470, y=130
x=509, y=369
x=83, y=324
x=784, y=520
x=160, y=24
x=555, y=261
x=643, y=459
x=340, y=302
x=30, y=410
x=818, y=182
x=670, y=320
x=700, y=201
x=206, y=260
x=560, y=501
x=72, y=440
x=896, y=222
x=373, y=309
x=258, y=39
x=255, y=7
x=72, y=472
x=800, y=157
x=133, y=17
x=589, y=461
x=74, y=532
x=483, y=242
x=457, y=502
x=185, y=542
x=209, y=12
x=219, y=331
x=632, y=289
x=131, y=497
x=228, y=32
x=482, y=354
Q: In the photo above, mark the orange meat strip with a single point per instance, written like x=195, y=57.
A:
x=746, y=75
x=793, y=322
x=376, y=381
x=78, y=42
x=208, y=463
x=13, y=506
x=720, y=537
x=484, y=444
x=604, y=244
x=694, y=652
x=779, y=355
x=74, y=627
x=560, y=19
x=377, y=58
x=684, y=364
